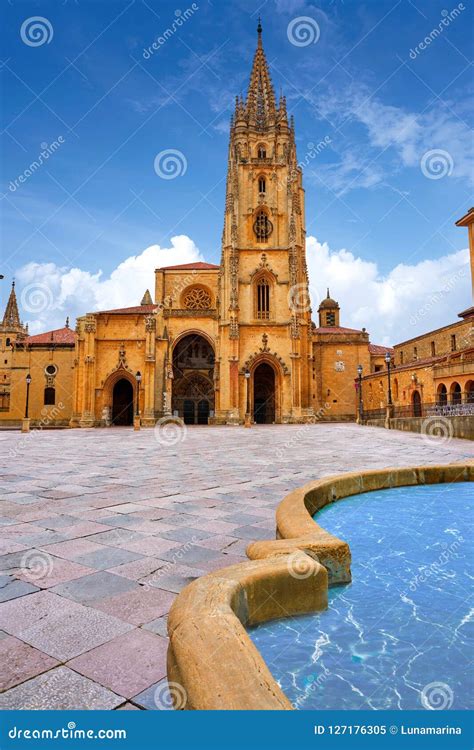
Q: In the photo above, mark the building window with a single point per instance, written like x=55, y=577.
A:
x=262, y=227
x=415, y=352
x=401, y=358
x=433, y=349
x=51, y=370
x=262, y=185
x=263, y=300
x=330, y=318
x=197, y=298
x=378, y=368
x=262, y=152
x=49, y=396
x=7, y=342
x=453, y=342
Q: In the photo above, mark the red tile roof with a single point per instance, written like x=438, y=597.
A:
x=199, y=266
x=376, y=349
x=59, y=336
x=336, y=329
x=143, y=309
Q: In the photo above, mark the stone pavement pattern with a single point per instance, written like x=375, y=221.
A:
x=100, y=529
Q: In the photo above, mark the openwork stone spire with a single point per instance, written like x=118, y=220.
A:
x=11, y=319
x=260, y=106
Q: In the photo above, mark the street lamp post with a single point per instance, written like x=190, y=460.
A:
x=361, y=413
x=388, y=360
x=247, y=422
x=25, y=425
x=136, y=421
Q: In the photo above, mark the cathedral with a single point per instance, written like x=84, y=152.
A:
x=215, y=344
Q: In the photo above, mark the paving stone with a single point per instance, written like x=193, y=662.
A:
x=156, y=698
x=91, y=588
x=107, y=557
x=20, y=662
x=158, y=626
x=139, y=568
x=59, y=689
x=45, y=571
x=72, y=549
x=128, y=664
x=185, y=535
x=10, y=588
x=137, y=607
x=57, y=626
x=191, y=553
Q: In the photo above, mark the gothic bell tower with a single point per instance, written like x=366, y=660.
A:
x=264, y=311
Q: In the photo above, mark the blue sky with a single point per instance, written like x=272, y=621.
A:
x=376, y=195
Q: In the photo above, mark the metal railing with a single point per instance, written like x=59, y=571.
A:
x=425, y=409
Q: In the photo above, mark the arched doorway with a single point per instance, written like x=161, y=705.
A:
x=470, y=392
x=442, y=395
x=264, y=394
x=416, y=400
x=456, y=394
x=193, y=379
x=122, y=402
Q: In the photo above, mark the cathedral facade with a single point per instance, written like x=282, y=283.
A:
x=215, y=342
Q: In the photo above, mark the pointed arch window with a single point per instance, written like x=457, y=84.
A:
x=262, y=185
x=263, y=227
x=261, y=151
x=262, y=301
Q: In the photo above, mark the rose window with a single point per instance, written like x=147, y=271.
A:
x=197, y=298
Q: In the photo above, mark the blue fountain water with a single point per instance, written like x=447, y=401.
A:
x=405, y=621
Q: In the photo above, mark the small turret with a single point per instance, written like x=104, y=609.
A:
x=328, y=312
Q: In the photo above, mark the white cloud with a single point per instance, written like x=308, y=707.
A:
x=404, y=136
x=48, y=293
x=409, y=300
